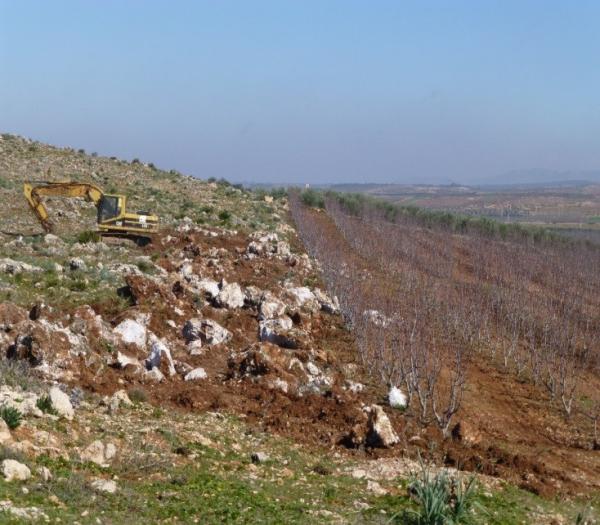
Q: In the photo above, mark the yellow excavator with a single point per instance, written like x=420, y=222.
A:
x=113, y=217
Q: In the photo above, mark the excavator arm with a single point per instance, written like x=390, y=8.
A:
x=35, y=190
x=113, y=217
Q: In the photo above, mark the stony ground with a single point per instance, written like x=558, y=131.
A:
x=205, y=378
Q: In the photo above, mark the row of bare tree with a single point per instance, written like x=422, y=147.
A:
x=421, y=300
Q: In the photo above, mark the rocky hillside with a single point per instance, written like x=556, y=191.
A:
x=205, y=378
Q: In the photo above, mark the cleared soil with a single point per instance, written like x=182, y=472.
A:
x=508, y=428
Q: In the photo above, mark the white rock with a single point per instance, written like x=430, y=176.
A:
x=24, y=402
x=15, y=471
x=271, y=307
x=253, y=295
x=104, y=485
x=196, y=373
x=376, y=488
x=214, y=333
x=99, y=453
x=354, y=387
x=274, y=330
x=53, y=240
x=186, y=269
x=283, y=249
x=230, y=296
x=76, y=263
x=195, y=347
x=209, y=287
x=312, y=369
x=61, y=403
x=132, y=332
x=328, y=304
x=381, y=432
x=124, y=360
x=124, y=269
x=110, y=451
x=16, y=267
x=192, y=330
x=153, y=376
x=301, y=295
x=207, y=330
x=118, y=399
x=278, y=384
x=158, y=348
x=397, y=398
x=376, y=317
x=45, y=474
x=259, y=457
x=25, y=514
x=5, y=435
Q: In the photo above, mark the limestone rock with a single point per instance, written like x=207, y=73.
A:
x=76, y=263
x=61, y=403
x=230, y=296
x=104, y=485
x=118, y=399
x=381, y=433
x=271, y=307
x=195, y=374
x=158, y=349
x=99, y=453
x=207, y=330
x=15, y=471
x=16, y=267
x=132, y=332
x=5, y=435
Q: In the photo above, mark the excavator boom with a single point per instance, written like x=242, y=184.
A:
x=113, y=218
x=33, y=195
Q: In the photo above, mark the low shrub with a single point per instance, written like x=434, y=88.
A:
x=88, y=236
x=12, y=417
x=44, y=403
x=442, y=500
x=137, y=395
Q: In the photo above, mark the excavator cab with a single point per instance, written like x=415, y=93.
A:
x=108, y=208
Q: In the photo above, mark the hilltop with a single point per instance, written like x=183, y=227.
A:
x=213, y=375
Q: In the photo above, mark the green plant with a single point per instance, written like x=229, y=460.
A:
x=137, y=395
x=12, y=417
x=88, y=236
x=278, y=193
x=442, y=500
x=144, y=266
x=224, y=215
x=312, y=198
x=78, y=285
x=44, y=403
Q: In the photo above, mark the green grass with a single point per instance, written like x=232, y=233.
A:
x=183, y=481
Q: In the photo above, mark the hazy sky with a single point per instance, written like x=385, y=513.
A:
x=316, y=91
